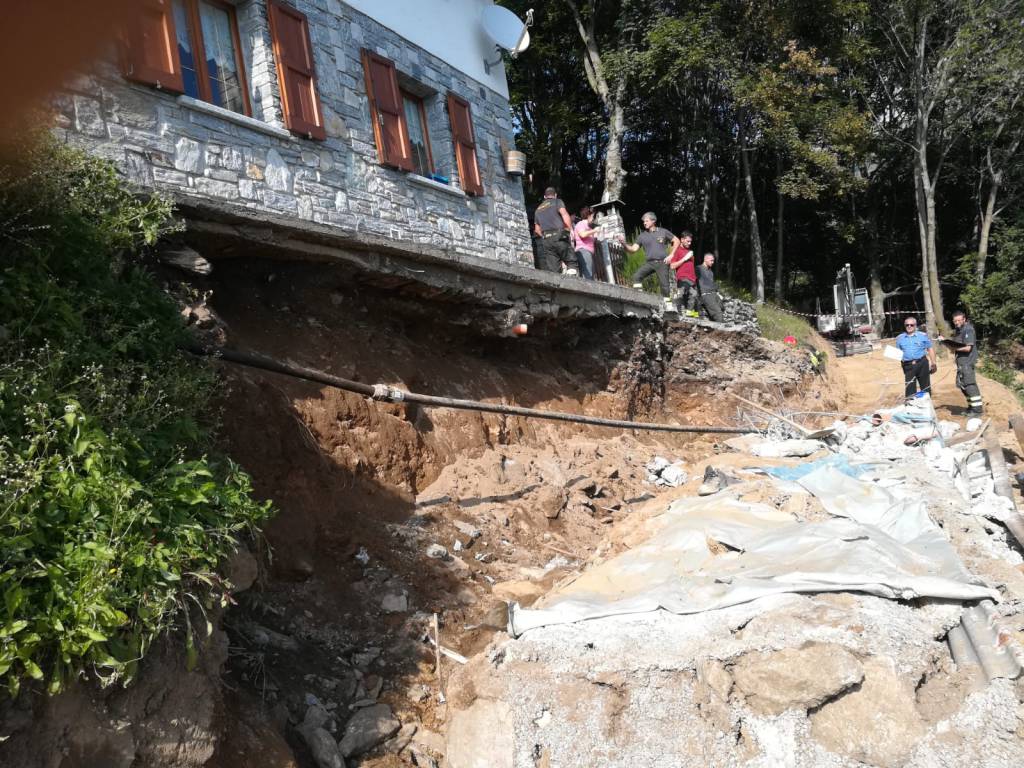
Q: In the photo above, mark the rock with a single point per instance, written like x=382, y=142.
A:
x=322, y=747
x=877, y=723
x=522, y=592
x=716, y=677
x=551, y=500
x=242, y=569
x=316, y=717
x=395, y=603
x=673, y=475
x=795, y=678
x=496, y=617
x=374, y=684
x=401, y=740
x=437, y=552
x=367, y=728
x=265, y=637
x=656, y=465
x=481, y=736
x=466, y=529
x=364, y=659
x=430, y=741
x=184, y=258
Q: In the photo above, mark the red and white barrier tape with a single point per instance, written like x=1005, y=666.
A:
x=905, y=313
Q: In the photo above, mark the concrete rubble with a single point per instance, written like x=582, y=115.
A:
x=836, y=676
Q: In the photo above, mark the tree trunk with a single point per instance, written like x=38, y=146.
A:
x=780, y=282
x=922, y=230
x=714, y=218
x=613, y=100
x=613, y=173
x=987, y=217
x=756, y=256
x=735, y=223
x=875, y=290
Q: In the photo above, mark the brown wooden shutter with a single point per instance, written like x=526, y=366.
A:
x=149, y=53
x=387, y=111
x=296, y=74
x=465, y=145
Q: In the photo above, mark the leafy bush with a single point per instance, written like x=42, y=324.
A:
x=112, y=517
x=997, y=304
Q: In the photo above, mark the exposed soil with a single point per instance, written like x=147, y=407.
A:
x=365, y=489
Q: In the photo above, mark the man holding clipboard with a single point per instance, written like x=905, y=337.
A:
x=965, y=346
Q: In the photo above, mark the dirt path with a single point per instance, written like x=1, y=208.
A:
x=875, y=382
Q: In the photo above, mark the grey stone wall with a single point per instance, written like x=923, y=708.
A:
x=174, y=144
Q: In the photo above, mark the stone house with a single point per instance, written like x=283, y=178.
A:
x=387, y=119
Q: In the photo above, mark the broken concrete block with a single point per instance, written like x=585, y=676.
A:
x=481, y=736
x=795, y=678
x=877, y=723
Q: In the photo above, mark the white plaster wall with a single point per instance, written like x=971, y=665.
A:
x=449, y=29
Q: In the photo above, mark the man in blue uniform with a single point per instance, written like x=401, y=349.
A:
x=918, y=357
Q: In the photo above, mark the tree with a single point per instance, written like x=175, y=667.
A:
x=938, y=64
x=609, y=87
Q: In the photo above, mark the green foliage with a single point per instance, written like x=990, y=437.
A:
x=997, y=369
x=997, y=305
x=777, y=325
x=111, y=516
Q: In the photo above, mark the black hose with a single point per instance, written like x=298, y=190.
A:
x=390, y=394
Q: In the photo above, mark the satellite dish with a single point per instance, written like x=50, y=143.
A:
x=505, y=29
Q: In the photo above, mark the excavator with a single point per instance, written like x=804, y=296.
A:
x=849, y=327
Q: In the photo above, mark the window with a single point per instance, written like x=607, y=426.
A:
x=464, y=140
x=419, y=138
x=210, y=53
x=193, y=47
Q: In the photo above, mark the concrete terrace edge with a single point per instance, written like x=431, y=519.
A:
x=476, y=279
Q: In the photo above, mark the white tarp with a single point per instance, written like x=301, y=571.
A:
x=877, y=544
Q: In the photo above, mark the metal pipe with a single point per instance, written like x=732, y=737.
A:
x=393, y=395
x=996, y=659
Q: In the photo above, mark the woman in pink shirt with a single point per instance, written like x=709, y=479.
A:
x=583, y=234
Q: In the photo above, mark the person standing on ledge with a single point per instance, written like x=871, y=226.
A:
x=965, y=346
x=707, y=289
x=918, y=357
x=657, y=243
x=552, y=224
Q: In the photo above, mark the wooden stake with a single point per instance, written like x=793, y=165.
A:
x=437, y=649
x=561, y=551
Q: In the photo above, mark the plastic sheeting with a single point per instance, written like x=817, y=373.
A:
x=712, y=552
x=837, y=460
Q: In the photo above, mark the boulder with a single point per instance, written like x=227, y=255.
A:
x=877, y=723
x=322, y=747
x=551, y=500
x=367, y=728
x=795, y=678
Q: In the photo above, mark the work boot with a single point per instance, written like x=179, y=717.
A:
x=976, y=411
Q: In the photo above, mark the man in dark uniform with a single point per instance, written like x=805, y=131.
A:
x=707, y=289
x=965, y=346
x=552, y=224
x=658, y=243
